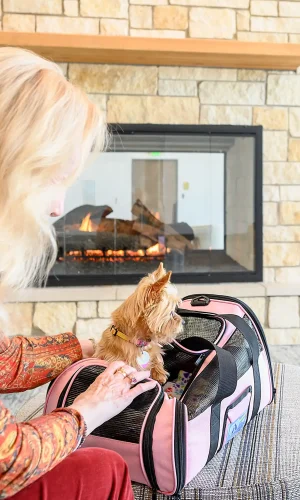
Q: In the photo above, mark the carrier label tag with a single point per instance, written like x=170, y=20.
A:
x=236, y=426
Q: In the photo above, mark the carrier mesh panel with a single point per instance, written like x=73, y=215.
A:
x=202, y=392
x=127, y=425
x=248, y=320
x=200, y=327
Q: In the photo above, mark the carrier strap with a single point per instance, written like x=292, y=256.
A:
x=250, y=337
x=227, y=385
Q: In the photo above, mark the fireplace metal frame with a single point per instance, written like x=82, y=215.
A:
x=215, y=277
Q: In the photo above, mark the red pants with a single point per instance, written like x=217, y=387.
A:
x=87, y=474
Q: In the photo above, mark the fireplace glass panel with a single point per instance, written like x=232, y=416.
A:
x=185, y=199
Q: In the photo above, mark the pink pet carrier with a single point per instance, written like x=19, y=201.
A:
x=167, y=441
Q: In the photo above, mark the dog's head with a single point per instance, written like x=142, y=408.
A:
x=157, y=300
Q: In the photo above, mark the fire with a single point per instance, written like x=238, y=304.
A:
x=87, y=225
x=155, y=252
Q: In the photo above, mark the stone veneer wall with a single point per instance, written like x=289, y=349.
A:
x=140, y=94
x=255, y=20
x=182, y=95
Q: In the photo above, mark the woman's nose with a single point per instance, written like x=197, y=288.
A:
x=57, y=208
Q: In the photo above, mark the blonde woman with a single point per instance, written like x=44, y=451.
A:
x=47, y=129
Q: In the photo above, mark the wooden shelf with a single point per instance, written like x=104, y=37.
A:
x=154, y=51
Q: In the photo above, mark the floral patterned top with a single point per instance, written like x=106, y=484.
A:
x=30, y=449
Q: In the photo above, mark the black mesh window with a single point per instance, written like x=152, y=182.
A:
x=196, y=326
x=202, y=392
x=127, y=425
x=248, y=320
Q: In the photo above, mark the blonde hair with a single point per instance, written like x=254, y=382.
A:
x=44, y=120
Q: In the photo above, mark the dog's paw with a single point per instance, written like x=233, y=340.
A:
x=161, y=376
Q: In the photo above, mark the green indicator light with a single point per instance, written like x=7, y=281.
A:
x=155, y=153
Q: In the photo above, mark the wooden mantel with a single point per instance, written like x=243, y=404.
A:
x=154, y=51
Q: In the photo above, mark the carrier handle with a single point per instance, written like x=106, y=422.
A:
x=227, y=370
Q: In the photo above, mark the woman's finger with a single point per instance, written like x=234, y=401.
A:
x=138, y=376
x=125, y=371
x=140, y=388
x=113, y=367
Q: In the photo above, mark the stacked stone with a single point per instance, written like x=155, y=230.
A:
x=248, y=20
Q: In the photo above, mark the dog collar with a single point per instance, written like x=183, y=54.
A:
x=117, y=333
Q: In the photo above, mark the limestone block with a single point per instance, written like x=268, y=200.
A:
x=294, y=122
x=158, y=33
x=104, y=8
x=294, y=150
x=244, y=36
x=290, y=212
x=271, y=118
x=270, y=214
x=284, y=90
x=275, y=146
x=140, y=16
x=282, y=233
x=281, y=173
x=71, y=8
x=149, y=2
x=170, y=17
x=55, y=317
x=18, y=22
x=226, y=115
x=243, y=20
x=258, y=305
x=234, y=4
x=199, y=74
x=269, y=275
x=281, y=254
x=290, y=193
x=91, y=328
x=87, y=309
x=114, y=79
x=177, y=88
x=99, y=100
x=280, y=336
x=252, y=75
x=284, y=312
x=236, y=93
x=18, y=320
x=288, y=275
x=263, y=8
x=33, y=6
x=275, y=24
x=114, y=27
x=294, y=38
x=106, y=308
x=212, y=23
x=67, y=25
x=271, y=193
x=156, y=109
x=289, y=9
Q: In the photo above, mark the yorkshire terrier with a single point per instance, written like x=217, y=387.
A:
x=145, y=322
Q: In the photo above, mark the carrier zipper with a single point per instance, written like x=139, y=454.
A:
x=147, y=446
x=180, y=446
x=253, y=317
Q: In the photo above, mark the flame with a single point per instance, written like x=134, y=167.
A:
x=87, y=225
x=157, y=251
x=157, y=215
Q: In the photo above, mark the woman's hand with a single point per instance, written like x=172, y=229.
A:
x=88, y=348
x=110, y=394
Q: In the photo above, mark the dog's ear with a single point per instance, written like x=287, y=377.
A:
x=161, y=283
x=160, y=272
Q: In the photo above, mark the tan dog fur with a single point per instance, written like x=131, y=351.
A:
x=148, y=314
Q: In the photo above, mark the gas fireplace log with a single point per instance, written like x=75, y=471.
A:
x=108, y=241
x=148, y=220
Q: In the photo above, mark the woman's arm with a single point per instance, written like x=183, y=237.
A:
x=28, y=362
x=29, y=450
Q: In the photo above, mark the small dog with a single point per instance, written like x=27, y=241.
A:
x=142, y=324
